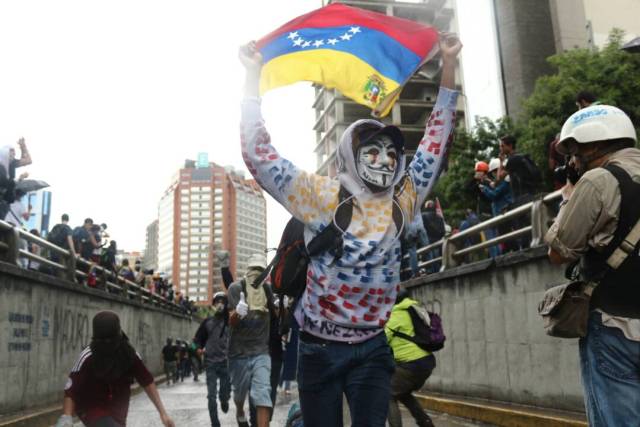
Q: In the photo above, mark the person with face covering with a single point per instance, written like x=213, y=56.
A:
x=348, y=300
x=213, y=337
x=99, y=385
x=250, y=313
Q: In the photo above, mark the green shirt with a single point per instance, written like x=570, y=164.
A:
x=400, y=321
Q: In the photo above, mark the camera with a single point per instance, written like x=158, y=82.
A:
x=566, y=173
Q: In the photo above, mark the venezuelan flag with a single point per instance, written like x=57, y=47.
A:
x=366, y=55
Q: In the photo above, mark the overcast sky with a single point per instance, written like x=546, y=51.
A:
x=111, y=97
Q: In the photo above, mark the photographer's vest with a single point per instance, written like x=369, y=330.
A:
x=618, y=292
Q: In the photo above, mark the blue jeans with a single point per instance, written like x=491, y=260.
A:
x=489, y=234
x=327, y=370
x=610, y=366
x=215, y=372
x=421, y=241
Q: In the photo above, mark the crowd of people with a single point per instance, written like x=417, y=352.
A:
x=498, y=185
x=359, y=335
x=96, y=257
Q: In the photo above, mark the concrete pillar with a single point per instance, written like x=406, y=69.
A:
x=525, y=41
x=569, y=24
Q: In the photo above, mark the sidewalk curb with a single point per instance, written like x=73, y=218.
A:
x=497, y=414
x=47, y=417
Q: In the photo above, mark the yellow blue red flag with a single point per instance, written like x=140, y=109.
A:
x=366, y=55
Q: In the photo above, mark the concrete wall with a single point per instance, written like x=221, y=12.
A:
x=496, y=347
x=46, y=322
x=525, y=41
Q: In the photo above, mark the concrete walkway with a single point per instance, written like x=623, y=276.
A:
x=187, y=404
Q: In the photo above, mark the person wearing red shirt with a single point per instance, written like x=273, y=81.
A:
x=99, y=385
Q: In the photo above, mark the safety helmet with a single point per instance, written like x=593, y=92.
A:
x=494, y=164
x=257, y=260
x=482, y=167
x=593, y=124
x=219, y=295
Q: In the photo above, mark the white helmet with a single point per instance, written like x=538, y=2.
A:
x=257, y=260
x=593, y=124
x=494, y=164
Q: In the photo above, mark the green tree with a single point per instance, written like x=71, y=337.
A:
x=454, y=187
x=611, y=74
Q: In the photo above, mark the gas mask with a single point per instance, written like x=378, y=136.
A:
x=219, y=307
x=376, y=162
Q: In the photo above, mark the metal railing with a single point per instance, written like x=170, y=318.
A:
x=532, y=220
x=63, y=264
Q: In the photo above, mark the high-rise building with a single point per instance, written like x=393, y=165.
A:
x=130, y=256
x=150, y=257
x=40, y=213
x=334, y=112
x=207, y=208
x=531, y=31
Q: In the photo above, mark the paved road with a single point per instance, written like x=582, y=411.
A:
x=187, y=404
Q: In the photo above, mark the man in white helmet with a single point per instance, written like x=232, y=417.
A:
x=595, y=217
x=250, y=311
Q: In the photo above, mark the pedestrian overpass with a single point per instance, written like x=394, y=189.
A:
x=496, y=352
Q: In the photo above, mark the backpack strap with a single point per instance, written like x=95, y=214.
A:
x=627, y=233
x=270, y=305
x=267, y=291
x=331, y=236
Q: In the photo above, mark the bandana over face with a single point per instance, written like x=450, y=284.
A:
x=377, y=161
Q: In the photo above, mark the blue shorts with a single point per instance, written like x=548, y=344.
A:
x=251, y=375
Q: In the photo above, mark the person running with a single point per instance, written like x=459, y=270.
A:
x=251, y=308
x=99, y=385
x=213, y=337
x=348, y=300
x=170, y=360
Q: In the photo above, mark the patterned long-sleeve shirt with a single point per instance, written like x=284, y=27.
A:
x=351, y=299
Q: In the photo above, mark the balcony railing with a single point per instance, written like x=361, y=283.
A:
x=528, y=222
x=67, y=267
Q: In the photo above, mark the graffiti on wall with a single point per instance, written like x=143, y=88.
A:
x=71, y=330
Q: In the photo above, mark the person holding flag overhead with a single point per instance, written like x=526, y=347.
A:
x=348, y=297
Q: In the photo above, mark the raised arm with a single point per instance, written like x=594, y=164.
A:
x=425, y=166
x=25, y=157
x=301, y=193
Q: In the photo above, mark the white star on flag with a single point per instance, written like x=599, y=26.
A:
x=298, y=41
x=354, y=30
x=318, y=43
x=332, y=41
x=346, y=36
x=293, y=35
x=306, y=44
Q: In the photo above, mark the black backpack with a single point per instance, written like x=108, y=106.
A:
x=57, y=236
x=529, y=174
x=288, y=268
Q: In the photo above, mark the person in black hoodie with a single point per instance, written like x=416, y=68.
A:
x=213, y=337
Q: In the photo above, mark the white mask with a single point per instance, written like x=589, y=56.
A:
x=377, y=162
